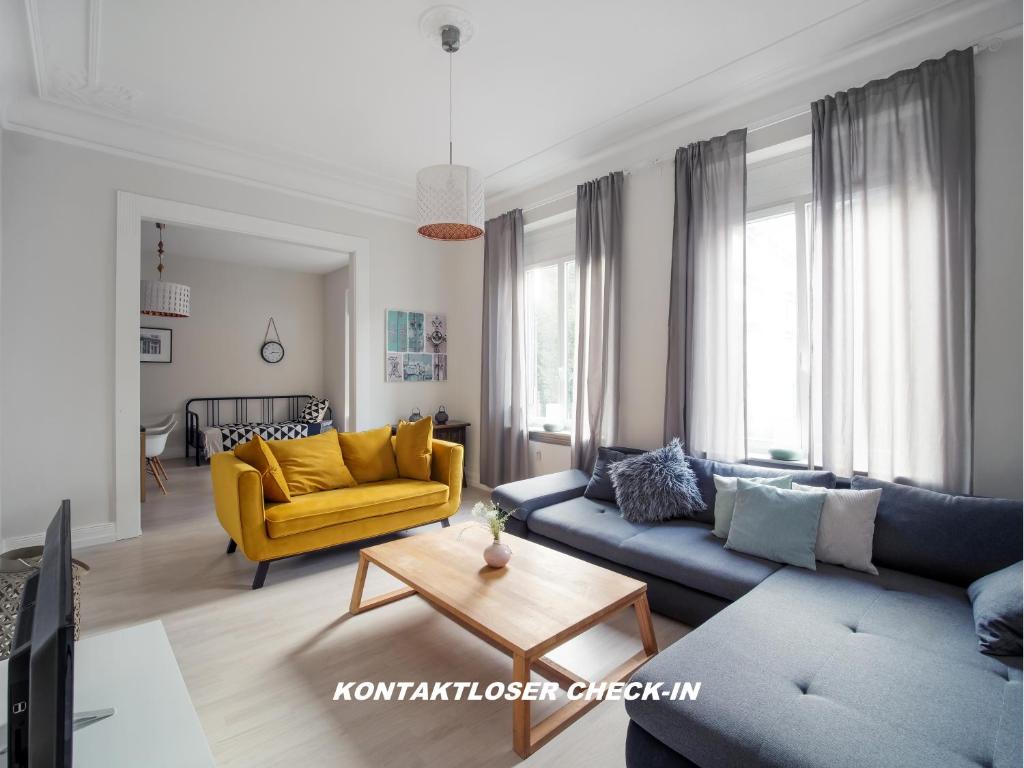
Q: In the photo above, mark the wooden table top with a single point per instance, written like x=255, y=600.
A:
x=541, y=598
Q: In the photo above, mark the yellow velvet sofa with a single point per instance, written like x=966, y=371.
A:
x=267, y=531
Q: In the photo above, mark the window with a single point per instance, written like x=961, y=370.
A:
x=778, y=344
x=551, y=343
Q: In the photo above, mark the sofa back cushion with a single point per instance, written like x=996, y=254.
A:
x=956, y=539
x=257, y=454
x=413, y=448
x=705, y=470
x=312, y=464
x=369, y=454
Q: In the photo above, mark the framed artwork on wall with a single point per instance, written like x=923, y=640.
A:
x=155, y=345
x=417, y=346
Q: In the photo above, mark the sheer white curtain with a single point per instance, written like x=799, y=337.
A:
x=705, y=397
x=893, y=275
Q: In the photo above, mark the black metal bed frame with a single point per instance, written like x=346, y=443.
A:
x=238, y=407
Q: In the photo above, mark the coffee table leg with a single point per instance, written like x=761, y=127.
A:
x=643, y=620
x=521, y=708
x=358, y=605
x=357, y=588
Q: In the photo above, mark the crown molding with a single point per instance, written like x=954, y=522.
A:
x=958, y=23
x=74, y=106
x=84, y=126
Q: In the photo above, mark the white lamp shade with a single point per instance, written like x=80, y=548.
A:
x=450, y=202
x=165, y=299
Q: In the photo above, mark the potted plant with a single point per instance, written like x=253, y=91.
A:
x=493, y=518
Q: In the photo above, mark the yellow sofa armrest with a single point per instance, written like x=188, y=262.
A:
x=446, y=467
x=238, y=498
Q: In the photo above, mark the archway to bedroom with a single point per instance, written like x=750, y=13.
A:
x=238, y=335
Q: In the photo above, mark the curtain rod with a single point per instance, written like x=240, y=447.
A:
x=993, y=43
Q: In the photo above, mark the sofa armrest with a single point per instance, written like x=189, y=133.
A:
x=238, y=499
x=446, y=467
x=524, y=496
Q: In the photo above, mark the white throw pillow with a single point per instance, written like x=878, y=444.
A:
x=847, y=529
x=725, y=498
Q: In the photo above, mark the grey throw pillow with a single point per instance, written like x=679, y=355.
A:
x=846, y=533
x=655, y=486
x=998, y=614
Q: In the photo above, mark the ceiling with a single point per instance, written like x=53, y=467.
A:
x=232, y=247
x=346, y=100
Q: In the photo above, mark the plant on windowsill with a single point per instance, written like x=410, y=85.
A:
x=493, y=518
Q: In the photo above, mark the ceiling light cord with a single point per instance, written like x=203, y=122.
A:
x=451, y=141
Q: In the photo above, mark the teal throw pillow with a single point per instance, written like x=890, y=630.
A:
x=775, y=523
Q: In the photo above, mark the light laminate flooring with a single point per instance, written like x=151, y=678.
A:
x=262, y=666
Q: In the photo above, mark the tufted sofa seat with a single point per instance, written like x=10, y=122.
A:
x=847, y=670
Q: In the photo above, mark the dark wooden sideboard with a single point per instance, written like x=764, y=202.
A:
x=454, y=432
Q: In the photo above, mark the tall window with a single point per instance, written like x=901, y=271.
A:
x=551, y=343
x=778, y=343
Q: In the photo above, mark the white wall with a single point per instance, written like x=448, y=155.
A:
x=648, y=201
x=335, y=342
x=997, y=372
x=57, y=313
x=216, y=351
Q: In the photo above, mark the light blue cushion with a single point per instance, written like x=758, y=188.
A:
x=775, y=524
x=725, y=498
x=998, y=611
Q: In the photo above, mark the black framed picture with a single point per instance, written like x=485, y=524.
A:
x=155, y=345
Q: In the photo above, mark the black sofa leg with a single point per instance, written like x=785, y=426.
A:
x=445, y=523
x=261, y=574
x=231, y=546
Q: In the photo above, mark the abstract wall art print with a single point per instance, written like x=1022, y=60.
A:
x=417, y=346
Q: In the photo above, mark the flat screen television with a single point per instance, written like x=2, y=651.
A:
x=40, y=673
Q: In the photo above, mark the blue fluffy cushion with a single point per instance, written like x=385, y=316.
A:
x=998, y=601
x=655, y=486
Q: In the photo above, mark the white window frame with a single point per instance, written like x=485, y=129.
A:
x=798, y=206
x=536, y=422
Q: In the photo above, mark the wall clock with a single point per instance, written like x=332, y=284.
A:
x=272, y=350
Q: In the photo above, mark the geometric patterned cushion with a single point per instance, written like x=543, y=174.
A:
x=234, y=434
x=315, y=410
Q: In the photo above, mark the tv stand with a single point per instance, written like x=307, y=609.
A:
x=131, y=671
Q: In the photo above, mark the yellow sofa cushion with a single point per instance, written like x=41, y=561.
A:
x=413, y=448
x=322, y=510
x=369, y=454
x=312, y=464
x=257, y=454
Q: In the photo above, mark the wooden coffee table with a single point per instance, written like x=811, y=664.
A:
x=539, y=601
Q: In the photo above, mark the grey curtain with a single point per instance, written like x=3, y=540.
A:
x=504, y=440
x=705, y=394
x=598, y=267
x=893, y=275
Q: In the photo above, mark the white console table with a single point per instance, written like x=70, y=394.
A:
x=154, y=723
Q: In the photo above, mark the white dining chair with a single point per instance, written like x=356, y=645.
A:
x=156, y=442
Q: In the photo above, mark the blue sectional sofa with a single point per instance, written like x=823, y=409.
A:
x=831, y=667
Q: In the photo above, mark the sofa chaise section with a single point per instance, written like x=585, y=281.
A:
x=838, y=668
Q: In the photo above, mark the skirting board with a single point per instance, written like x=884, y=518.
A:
x=85, y=536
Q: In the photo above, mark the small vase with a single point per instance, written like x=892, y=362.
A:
x=497, y=554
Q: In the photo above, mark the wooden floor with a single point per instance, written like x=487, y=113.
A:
x=262, y=666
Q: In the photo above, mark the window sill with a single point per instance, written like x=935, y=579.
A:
x=554, y=438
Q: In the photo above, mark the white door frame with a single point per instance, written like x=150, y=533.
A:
x=131, y=210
